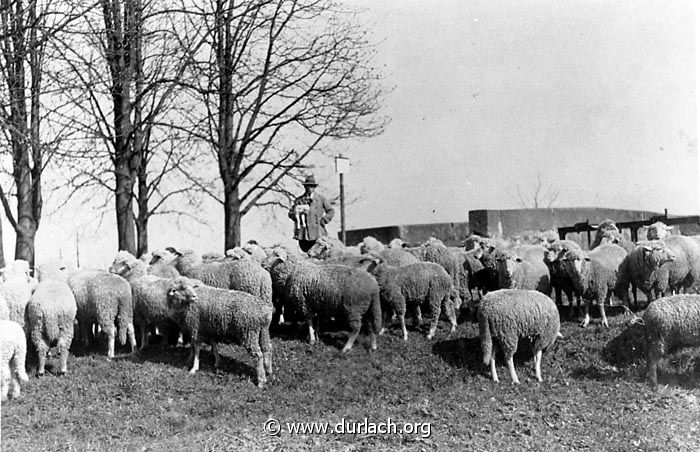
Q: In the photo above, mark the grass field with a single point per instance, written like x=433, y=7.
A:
x=589, y=400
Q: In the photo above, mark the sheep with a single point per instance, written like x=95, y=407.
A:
x=327, y=247
x=685, y=268
x=105, y=299
x=51, y=312
x=244, y=275
x=594, y=276
x=223, y=315
x=616, y=238
x=149, y=294
x=507, y=315
x=16, y=290
x=410, y=286
x=472, y=265
x=559, y=278
x=279, y=264
x=370, y=244
x=335, y=290
x=600, y=229
x=645, y=268
x=256, y=252
x=473, y=241
x=658, y=231
x=515, y=272
x=161, y=264
x=670, y=322
x=13, y=353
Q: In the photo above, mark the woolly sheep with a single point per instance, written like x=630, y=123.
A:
x=433, y=250
x=161, y=264
x=559, y=278
x=13, y=353
x=323, y=291
x=104, y=299
x=51, y=312
x=472, y=265
x=515, y=272
x=370, y=244
x=594, y=276
x=16, y=289
x=149, y=294
x=684, y=270
x=327, y=247
x=646, y=268
x=616, y=238
x=244, y=275
x=669, y=323
x=600, y=229
x=473, y=241
x=507, y=315
x=658, y=231
x=222, y=315
x=256, y=252
x=280, y=264
x=411, y=286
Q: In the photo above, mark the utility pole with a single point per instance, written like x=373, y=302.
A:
x=342, y=165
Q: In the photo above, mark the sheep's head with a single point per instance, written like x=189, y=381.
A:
x=575, y=262
x=182, y=292
x=655, y=253
x=507, y=262
x=473, y=242
x=612, y=237
x=52, y=269
x=658, y=231
x=398, y=243
x=238, y=253
x=165, y=256
x=370, y=244
x=17, y=270
x=277, y=256
x=123, y=262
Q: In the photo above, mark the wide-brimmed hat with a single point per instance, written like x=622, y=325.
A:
x=310, y=180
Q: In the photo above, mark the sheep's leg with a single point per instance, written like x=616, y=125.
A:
x=195, y=355
x=132, y=336
x=435, y=312
x=215, y=352
x=654, y=354
x=143, y=333
x=494, y=375
x=451, y=315
x=14, y=382
x=266, y=347
x=5, y=386
x=42, y=349
x=511, y=369
x=386, y=320
x=538, y=364
x=280, y=321
x=587, y=317
x=417, y=315
x=63, y=347
x=402, y=323
x=601, y=308
x=355, y=326
x=312, y=333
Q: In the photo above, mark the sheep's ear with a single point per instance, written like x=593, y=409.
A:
x=587, y=259
x=518, y=259
x=172, y=250
x=647, y=248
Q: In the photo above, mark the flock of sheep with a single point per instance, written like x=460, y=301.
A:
x=236, y=298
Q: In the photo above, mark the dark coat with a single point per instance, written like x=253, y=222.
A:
x=320, y=213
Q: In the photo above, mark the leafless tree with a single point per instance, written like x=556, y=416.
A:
x=126, y=65
x=277, y=80
x=539, y=195
x=28, y=32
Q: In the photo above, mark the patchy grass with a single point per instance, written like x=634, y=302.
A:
x=594, y=397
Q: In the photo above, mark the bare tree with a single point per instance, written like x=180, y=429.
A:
x=276, y=81
x=539, y=195
x=129, y=55
x=28, y=30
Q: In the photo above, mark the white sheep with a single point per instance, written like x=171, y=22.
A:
x=507, y=315
x=670, y=323
x=51, y=312
x=13, y=352
x=223, y=315
x=16, y=289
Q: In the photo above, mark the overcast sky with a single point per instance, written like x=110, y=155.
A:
x=599, y=97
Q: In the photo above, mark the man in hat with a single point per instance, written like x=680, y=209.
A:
x=311, y=212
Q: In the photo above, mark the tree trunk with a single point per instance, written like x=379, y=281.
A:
x=232, y=219
x=143, y=214
x=2, y=248
x=124, y=209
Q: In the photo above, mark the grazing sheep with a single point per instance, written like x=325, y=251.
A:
x=515, y=272
x=560, y=279
x=13, y=353
x=645, y=268
x=670, y=323
x=507, y=315
x=149, y=294
x=16, y=289
x=411, y=286
x=222, y=315
x=324, y=291
x=594, y=276
x=51, y=312
x=244, y=275
x=104, y=299
x=433, y=250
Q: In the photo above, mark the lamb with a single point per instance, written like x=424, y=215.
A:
x=13, y=353
x=515, y=272
x=645, y=268
x=244, y=275
x=594, y=276
x=51, y=312
x=559, y=278
x=410, y=286
x=149, y=294
x=507, y=315
x=670, y=322
x=336, y=291
x=105, y=299
x=223, y=315
x=16, y=290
